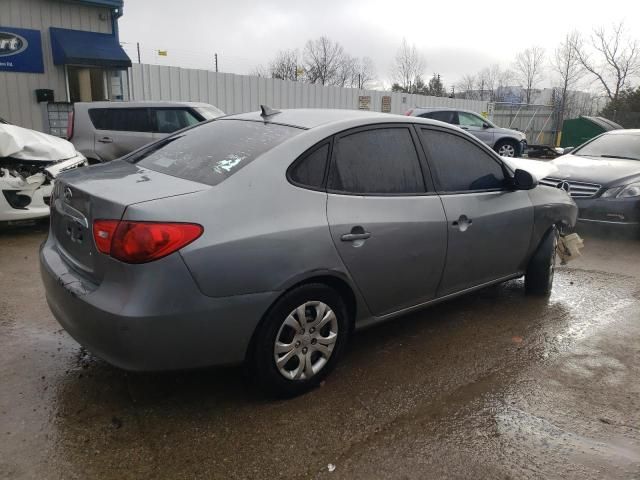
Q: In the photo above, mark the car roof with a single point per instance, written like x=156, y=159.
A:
x=141, y=104
x=625, y=131
x=312, y=117
x=444, y=109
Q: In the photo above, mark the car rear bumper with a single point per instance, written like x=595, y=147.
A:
x=171, y=326
x=612, y=211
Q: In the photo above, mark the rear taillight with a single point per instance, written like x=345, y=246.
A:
x=409, y=112
x=141, y=242
x=70, y=125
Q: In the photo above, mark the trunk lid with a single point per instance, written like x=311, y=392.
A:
x=103, y=192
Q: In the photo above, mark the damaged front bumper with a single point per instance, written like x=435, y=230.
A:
x=25, y=186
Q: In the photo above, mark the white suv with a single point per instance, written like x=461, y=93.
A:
x=507, y=142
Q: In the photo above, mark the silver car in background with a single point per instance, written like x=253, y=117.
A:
x=268, y=238
x=104, y=131
x=505, y=141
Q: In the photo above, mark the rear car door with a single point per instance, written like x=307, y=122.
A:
x=475, y=125
x=388, y=226
x=120, y=130
x=489, y=223
x=168, y=120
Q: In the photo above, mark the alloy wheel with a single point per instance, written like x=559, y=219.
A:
x=305, y=341
x=507, y=150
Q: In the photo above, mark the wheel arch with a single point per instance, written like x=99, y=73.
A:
x=336, y=280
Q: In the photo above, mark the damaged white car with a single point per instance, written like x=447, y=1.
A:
x=29, y=163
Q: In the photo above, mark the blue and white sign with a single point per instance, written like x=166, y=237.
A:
x=20, y=50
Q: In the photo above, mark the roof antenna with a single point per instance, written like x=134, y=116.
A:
x=268, y=111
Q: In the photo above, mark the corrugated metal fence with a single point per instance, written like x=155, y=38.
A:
x=240, y=93
x=537, y=121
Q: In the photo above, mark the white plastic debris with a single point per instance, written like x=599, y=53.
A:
x=331, y=467
x=569, y=247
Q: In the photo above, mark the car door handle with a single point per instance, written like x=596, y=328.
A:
x=357, y=233
x=105, y=140
x=462, y=223
x=350, y=237
x=465, y=128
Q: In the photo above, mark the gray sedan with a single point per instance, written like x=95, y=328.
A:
x=267, y=238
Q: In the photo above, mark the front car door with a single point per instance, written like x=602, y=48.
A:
x=477, y=126
x=120, y=130
x=387, y=224
x=489, y=223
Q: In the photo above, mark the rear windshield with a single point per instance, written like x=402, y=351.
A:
x=212, y=152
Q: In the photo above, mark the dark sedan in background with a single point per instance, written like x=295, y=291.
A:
x=603, y=177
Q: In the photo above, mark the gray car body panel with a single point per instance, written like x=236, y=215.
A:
x=262, y=236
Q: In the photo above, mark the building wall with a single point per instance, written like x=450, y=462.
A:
x=241, y=93
x=17, y=90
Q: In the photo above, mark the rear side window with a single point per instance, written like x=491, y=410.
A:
x=470, y=120
x=376, y=161
x=168, y=120
x=121, y=119
x=459, y=165
x=309, y=170
x=212, y=152
x=447, y=116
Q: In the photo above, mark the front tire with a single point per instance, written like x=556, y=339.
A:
x=300, y=340
x=507, y=148
x=538, y=279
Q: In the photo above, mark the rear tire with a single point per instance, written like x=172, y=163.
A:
x=300, y=340
x=507, y=148
x=538, y=279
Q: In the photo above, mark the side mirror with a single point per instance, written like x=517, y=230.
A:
x=486, y=125
x=523, y=180
x=568, y=150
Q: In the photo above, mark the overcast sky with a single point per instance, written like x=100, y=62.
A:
x=456, y=37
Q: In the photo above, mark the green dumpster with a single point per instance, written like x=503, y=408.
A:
x=576, y=131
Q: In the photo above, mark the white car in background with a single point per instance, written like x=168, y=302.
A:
x=29, y=163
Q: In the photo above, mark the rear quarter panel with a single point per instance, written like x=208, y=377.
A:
x=261, y=233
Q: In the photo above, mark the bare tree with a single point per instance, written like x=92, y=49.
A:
x=285, y=65
x=408, y=67
x=466, y=87
x=529, y=67
x=364, y=74
x=260, y=71
x=346, y=71
x=566, y=64
x=490, y=83
x=323, y=59
x=617, y=58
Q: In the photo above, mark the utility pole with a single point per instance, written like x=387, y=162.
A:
x=138, y=47
x=216, y=58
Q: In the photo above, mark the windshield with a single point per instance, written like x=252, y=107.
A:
x=212, y=152
x=209, y=113
x=619, y=145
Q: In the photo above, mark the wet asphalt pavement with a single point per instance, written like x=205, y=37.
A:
x=492, y=385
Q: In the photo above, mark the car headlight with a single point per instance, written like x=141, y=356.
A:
x=626, y=191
